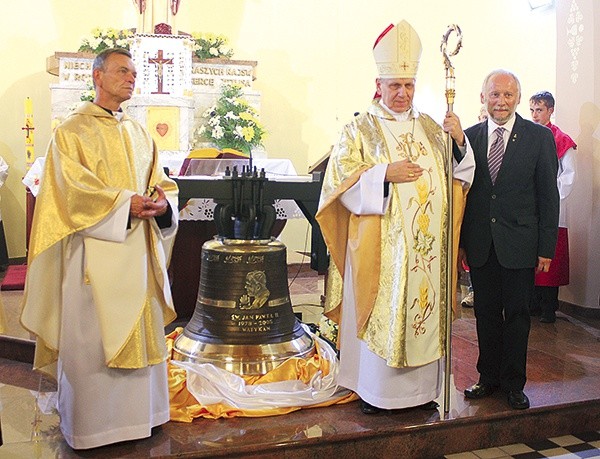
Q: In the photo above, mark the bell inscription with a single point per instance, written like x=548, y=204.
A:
x=255, y=323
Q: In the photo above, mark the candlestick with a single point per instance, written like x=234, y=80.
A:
x=29, y=152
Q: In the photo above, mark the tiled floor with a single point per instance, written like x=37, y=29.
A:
x=567, y=446
x=564, y=368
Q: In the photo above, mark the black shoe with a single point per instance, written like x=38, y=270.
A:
x=480, y=390
x=518, y=400
x=367, y=408
x=548, y=319
x=429, y=406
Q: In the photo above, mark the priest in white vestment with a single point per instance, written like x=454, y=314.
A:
x=383, y=215
x=97, y=294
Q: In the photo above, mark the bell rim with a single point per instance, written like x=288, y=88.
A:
x=242, y=359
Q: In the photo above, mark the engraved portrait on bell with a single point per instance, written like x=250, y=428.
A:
x=257, y=292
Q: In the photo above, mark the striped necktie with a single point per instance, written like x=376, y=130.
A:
x=496, y=153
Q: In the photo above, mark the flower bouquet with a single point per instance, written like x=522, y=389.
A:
x=102, y=39
x=208, y=46
x=231, y=123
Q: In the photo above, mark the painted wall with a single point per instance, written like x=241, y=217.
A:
x=578, y=114
x=315, y=67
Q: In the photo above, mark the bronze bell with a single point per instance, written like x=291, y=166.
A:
x=243, y=321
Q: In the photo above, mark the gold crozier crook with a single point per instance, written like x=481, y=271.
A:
x=450, y=93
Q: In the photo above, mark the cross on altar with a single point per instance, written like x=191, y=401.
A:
x=159, y=61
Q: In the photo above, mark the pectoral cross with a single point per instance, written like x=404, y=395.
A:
x=159, y=61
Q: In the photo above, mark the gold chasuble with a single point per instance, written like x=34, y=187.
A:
x=94, y=164
x=398, y=258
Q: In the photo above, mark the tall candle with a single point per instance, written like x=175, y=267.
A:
x=29, y=153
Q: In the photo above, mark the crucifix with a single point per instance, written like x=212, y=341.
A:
x=159, y=61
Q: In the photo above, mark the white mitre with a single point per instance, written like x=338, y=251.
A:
x=397, y=51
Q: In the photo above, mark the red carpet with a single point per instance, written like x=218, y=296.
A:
x=14, y=279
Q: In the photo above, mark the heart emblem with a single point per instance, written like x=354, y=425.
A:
x=162, y=129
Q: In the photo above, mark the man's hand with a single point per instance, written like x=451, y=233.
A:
x=543, y=265
x=452, y=125
x=403, y=171
x=148, y=207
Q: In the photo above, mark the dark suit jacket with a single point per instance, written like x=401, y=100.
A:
x=519, y=213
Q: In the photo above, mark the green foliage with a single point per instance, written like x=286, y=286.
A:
x=231, y=122
x=102, y=39
x=208, y=46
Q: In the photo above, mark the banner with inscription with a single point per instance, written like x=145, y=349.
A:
x=211, y=75
x=75, y=72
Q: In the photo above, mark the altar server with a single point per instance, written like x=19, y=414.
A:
x=545, y=295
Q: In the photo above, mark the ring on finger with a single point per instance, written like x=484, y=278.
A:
x=410, y=174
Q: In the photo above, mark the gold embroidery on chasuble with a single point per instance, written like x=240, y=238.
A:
x=145, y=345
x=404, y=327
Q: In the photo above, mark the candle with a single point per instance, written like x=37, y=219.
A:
x=29, y=153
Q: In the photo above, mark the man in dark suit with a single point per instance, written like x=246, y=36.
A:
x=509, y=231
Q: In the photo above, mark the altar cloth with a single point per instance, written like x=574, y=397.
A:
x=214, y=169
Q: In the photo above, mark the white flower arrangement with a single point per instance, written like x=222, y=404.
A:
x=207, y=46
x=231, y=123
x=102, y=39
